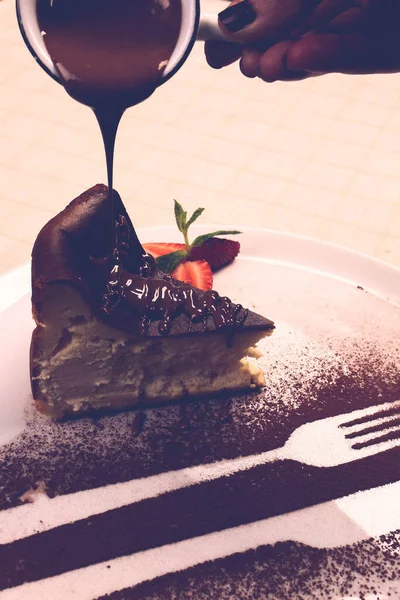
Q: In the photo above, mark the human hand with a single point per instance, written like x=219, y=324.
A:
x=306, y=38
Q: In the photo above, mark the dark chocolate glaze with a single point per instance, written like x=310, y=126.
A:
x=152, y=298
x=111, y=279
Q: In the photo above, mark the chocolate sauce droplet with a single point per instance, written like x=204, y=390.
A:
x=226, y=416
x=183, y=422
x=138, y=423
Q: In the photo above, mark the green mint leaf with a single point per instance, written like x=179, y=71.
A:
x=203, y=238
x=183, y=221
x=194, y=217
x=169, y=262
x=179, y=215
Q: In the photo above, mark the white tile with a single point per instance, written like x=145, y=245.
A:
x=179, y=140
x=192, y=197
x=389, y=190
x=24, y=128
x=351, y=132
x=11, y=150
x=388, y=249
x=306, y=121
x=277, y=164
x=338, y=153
x=373, y=214
x=373, y=93
x=257, y=186
x=8, y=212
x=325, y=175
x=311, y=200
x=292, y=142
x=218, y=150
x=207, y=174
x=28, y=224
x=382, y=163
x=13, y=253
x=196, y=119
x=367, y=113
x=320, y=103
x=270, y=113
x=393, y=119
x=366, y=185
x=220, y=102
x=244, y=130
x=241, y=211
x=387, y=141
x=392, y=225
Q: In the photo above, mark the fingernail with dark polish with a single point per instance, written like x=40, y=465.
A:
x=238, y=16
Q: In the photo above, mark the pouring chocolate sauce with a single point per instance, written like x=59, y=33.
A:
x=110, y=55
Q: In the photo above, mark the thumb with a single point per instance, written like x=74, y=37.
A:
x=263, y=21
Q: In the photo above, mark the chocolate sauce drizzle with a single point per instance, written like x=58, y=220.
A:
x=110, y=55
x=153, y=296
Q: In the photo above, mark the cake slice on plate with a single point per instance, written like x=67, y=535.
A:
x=113, y=331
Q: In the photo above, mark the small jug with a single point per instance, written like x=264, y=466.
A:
x=194, y=26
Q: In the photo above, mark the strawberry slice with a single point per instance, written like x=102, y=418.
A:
x=206, y=248
x=197, y=273
x=160, y=249
x=218, y=252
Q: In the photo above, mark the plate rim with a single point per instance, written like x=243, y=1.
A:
x=15, y=283
x=348, y=505
x=288, y=235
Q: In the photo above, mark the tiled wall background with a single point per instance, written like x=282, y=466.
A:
x=318, y=158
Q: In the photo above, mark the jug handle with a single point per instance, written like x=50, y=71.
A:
x=209, y=29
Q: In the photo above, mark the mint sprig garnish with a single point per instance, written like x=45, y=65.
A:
x=194, y=217
x=169, y=262
x=203, y=238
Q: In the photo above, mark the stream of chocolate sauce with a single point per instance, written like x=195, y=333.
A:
x=110, y=55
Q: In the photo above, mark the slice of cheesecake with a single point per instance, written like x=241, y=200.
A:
x=112, y=331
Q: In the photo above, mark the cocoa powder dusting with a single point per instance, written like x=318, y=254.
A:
x=368, y=570
x=303, y=386
x=307, y=381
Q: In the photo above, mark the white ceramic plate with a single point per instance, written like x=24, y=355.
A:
x=331, y=306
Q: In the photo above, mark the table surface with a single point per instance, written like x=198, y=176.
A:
x=318, y=158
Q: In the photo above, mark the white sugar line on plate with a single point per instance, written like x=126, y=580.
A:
x=328, y=525
x=45, y=513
